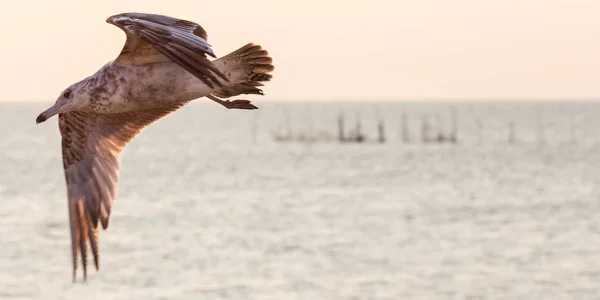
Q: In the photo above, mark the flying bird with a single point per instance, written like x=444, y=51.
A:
x=162, y=66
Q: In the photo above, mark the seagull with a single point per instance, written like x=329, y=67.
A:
x=162, y=66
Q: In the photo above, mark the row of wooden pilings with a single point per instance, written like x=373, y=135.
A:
x=428, y=133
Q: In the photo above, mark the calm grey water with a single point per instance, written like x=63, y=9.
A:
x=210, y=207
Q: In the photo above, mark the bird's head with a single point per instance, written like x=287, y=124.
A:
x=69, y=100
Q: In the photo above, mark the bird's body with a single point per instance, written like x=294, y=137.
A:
x=140, y=87
x=162, y=66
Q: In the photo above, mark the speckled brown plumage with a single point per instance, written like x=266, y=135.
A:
x=91, y=145
x=162, y=66
x=252, y=63
x=149, y=35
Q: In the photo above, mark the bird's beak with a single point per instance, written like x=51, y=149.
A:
x=53, y=110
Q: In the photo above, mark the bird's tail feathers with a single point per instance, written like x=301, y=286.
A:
x=246, y=68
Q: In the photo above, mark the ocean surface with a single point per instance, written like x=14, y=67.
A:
x=211, y=206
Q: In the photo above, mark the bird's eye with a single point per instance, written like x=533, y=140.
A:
x=67, y=94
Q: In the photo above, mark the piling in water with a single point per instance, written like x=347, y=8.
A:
x=358, y=136
x=424, y=130
x=511, y=132
x=381, y=132
x=440, y=138
x=341, y=135
x=405, y=131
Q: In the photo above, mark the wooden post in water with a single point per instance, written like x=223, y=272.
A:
x=405, y=131
x=359, y=138
x=424, y=130
x=511, y=132
x=381, y=132
x=440, y=137
x=341, y=136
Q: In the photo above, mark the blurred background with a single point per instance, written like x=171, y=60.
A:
x=420, y=150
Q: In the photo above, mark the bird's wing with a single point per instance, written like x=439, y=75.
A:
x=153, y=38
x=91, y=144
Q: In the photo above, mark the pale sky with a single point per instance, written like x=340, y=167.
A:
x=330, y=50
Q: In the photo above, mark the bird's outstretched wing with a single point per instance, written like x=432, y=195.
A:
x=91, y=146
x=154, y=38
